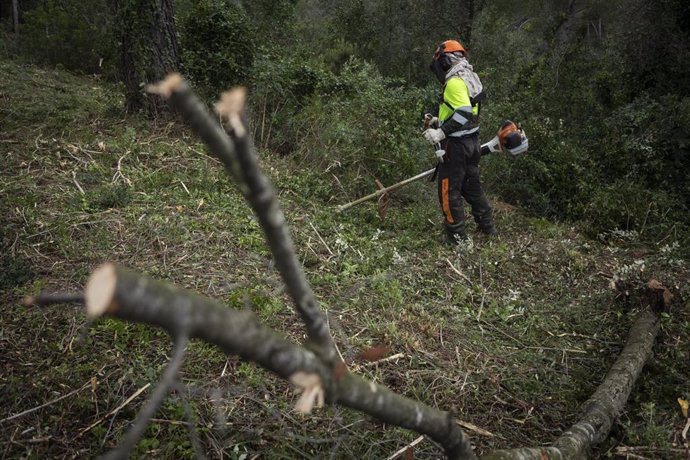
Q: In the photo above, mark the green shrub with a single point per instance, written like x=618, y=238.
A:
x=217, y=46
x=648, y=141
x=356, y=124
x=360, y=122
x=73, y=33
x=628, y=206
x=281, y=85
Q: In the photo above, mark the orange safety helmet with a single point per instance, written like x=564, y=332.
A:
x=449, y=46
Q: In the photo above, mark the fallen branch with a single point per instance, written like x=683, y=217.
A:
x=45, y=299
x=49, y=403
x=119, y=293
x=603, y=408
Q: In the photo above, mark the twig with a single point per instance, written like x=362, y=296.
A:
x=569, y=350
x=404, y=449
x=44, y=299
x=74, y=179
x=185, y=188
x=118, y=174
x=357, y=367
x=383, y=360
x=321, y=239
x=159, y=393
x=500, y=331
x=475, y=428
x=452, y=267
x=114, y=411
x=481, y=281
x=170, y=422
x=29, y=411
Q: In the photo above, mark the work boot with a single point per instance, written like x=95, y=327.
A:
x=454, y=238
x=489, y=230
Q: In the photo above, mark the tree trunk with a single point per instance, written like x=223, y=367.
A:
x=148, y=49
x=15, y=16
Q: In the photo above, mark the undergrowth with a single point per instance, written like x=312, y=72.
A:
x=511, y=334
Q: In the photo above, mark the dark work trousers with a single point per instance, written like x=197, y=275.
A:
x=458, y=178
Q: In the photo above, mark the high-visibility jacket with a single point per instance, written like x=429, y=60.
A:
x=456, y=112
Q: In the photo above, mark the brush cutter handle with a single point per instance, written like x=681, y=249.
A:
x=440, y=153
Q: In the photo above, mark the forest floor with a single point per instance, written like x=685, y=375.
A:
x=512, y=334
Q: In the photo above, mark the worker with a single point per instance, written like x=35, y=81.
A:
x=455, y=133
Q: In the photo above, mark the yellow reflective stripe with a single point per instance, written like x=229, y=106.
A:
x=457, y=116
x=464, y=132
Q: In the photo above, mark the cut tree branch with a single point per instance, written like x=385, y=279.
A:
x=119, y=293
x=45, y=299
x=126, y=295
x=237, y=154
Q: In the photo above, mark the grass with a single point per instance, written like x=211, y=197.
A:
x=511, y=334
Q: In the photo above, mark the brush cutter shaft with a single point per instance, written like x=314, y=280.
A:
x=386, y=190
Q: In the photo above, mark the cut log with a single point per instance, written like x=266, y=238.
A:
x=605, y=405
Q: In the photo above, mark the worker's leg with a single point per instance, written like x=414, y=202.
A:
x=450, y=177
x=472, y=188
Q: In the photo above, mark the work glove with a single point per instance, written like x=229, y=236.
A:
x=430, y=121
x=434, y=136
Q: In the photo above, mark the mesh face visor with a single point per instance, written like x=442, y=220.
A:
x=438, y=70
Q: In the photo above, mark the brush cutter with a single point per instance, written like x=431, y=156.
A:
x=509, y=138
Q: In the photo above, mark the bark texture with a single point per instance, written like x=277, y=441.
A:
x=15, y=16
x=148, y=49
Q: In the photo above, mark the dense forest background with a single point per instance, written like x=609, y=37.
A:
x=601, y=87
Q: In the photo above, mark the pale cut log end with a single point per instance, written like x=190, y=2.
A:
x=230, y=108
x=100, y=289
x=313, y=394
x=167, y=86
x=29, y=301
